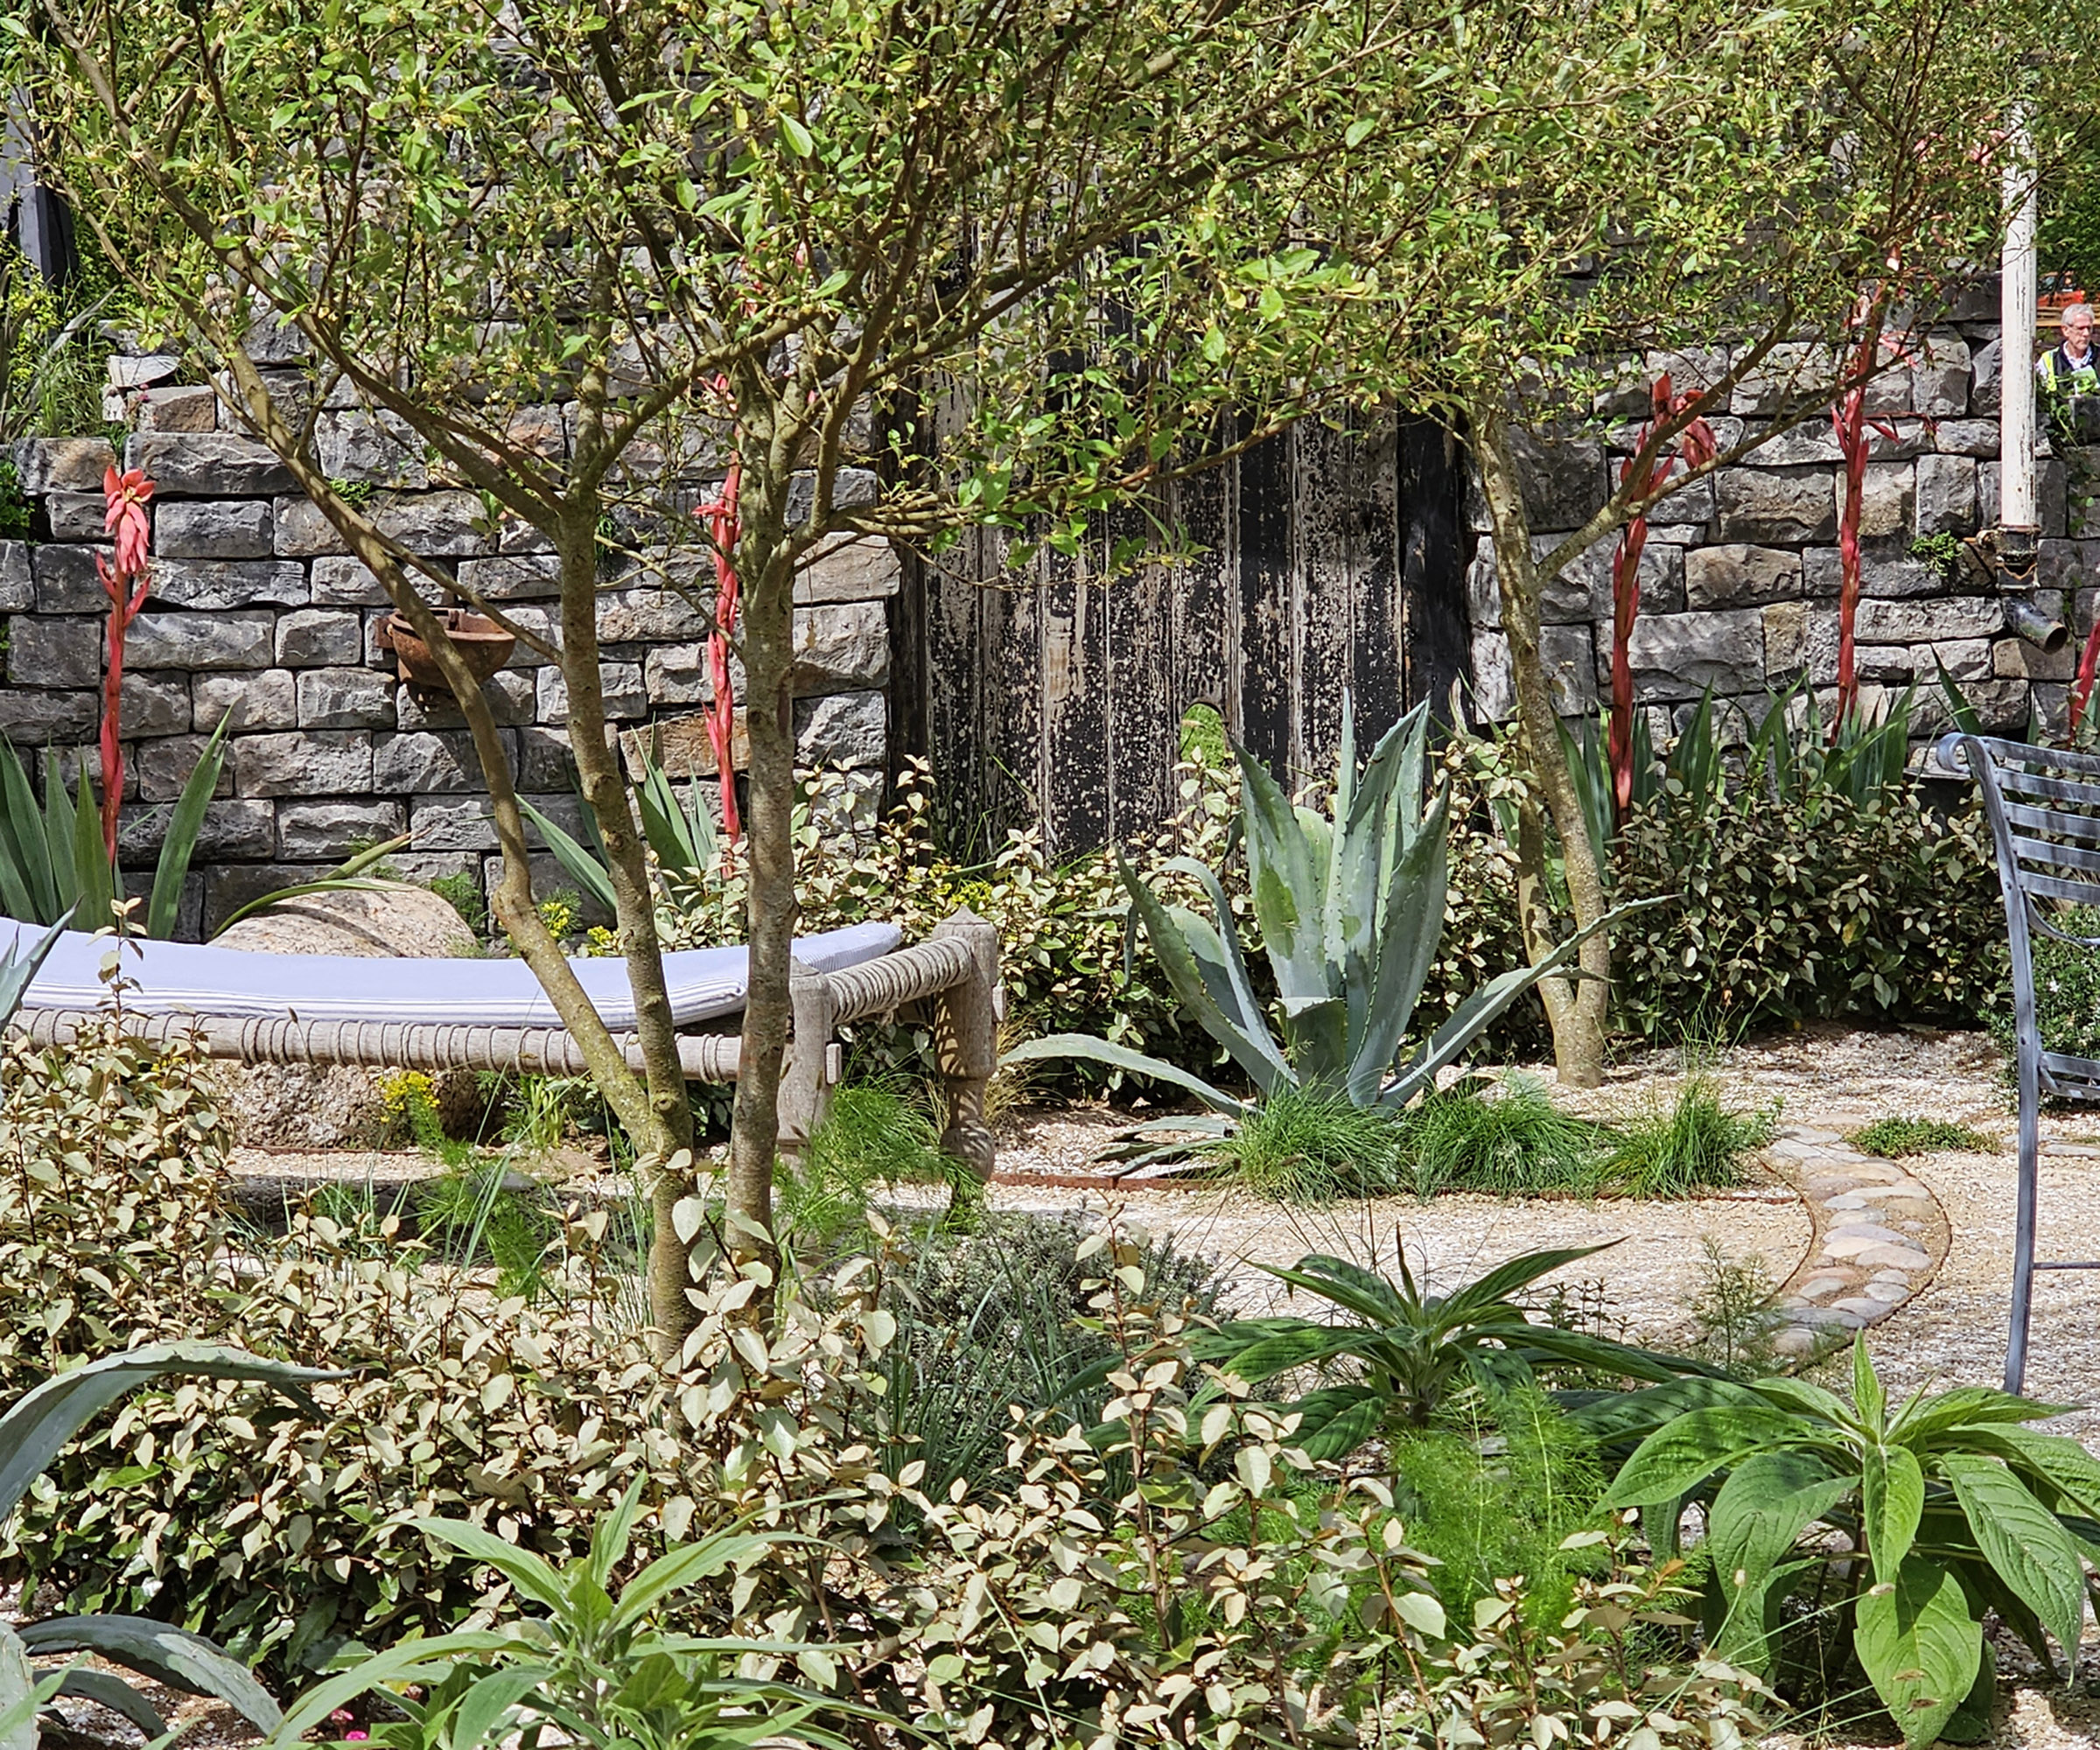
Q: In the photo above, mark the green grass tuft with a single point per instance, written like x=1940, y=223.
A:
x=1311, y=1145
x=1513, y=1143
x=1696, y=1143
x=1893, y=1138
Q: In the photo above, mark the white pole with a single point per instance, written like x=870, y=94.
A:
x=2018, y=522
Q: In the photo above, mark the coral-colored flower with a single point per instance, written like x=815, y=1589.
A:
x=126, y=495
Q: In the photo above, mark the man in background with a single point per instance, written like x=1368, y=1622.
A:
x=2068, y=369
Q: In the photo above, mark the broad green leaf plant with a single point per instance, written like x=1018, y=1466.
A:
x=1917, y=1519
x=594, y=1667
x=31, y=1433
x=1350, y=903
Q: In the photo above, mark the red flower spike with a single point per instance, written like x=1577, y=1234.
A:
x=125, y=498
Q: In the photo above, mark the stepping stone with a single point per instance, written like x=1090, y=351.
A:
x=1888, y=1293
x=1857, y=1229
x=1809, y=1133
x=1850, y=1199
x=1817, y=1286
x=1796, y=1340
x=1906, y=1257
x=1909, y=1189
x=1870, y=1311
x=1898, y=1278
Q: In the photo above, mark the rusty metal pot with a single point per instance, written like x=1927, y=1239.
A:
x=485, y=645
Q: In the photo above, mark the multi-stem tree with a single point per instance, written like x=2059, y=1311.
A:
x=911, y=265
x=1732, y=194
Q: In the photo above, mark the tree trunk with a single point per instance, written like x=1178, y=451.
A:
x=765, y=565
x=1577, y=1008
x=663, y=1144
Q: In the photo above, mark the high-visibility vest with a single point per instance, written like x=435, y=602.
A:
x=2060, y=376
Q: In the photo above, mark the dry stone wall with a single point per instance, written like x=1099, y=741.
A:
x=1740, y=575
x=257, y=615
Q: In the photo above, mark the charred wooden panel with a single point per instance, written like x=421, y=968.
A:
x=1320, y=560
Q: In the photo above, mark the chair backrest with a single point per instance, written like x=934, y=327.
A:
x=2043, y=804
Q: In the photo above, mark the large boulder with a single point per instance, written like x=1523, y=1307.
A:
x=297, y=1106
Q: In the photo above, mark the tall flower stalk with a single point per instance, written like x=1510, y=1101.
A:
x=724, y=526
x=125, y=579
x=1695, y=446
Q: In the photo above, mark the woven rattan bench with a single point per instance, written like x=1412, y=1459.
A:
x=2043, y=804
x=437, y=1015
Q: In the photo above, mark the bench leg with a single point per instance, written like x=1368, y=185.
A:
x=966, y=1028
x=811, y=1070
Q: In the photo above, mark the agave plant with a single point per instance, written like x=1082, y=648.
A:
x=1350, y=904
x=19, y=966
x=31, y=1434
x=680, y=829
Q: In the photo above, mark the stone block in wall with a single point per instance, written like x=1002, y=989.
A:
x=164, y=766
x=847, y=568
x=646, y=616
x=1977, y=438
x=456, y=823
x=55, y=653
x=18, y=580
x=438, y=525
x=429, y=762
x=336, y=827
x=212, y=586
x=1946, y=501
x=1775, y=507
x=1891, y=573
x=626, y=698
x=423, y=868
x=542, y=430
x=178, y=407
x=1569, y=655
x=1939, y=375
x=1564, y=480
x=342, y=582
x=2016, y=659
x=1928, y=622
x=300, y=530
x=843, y=730
x=1679, y=655
x=513, y=700
x=542, y=623
x=855, y=485
x=214, y=529
x=344, y=698
x=319, y=638
x=62, y=465
x=1985, y=393
x=271, y=340
x=1965, y=658
x=1581, y=592
x=38, y=717
x=840, y=648
x=1787, y=376
x=2067, y=564
x=176, y=640
x=306, y=763
x=676, y=674
x=155, y=704
x=208, y=465
x=76, y=516
x=228, y=886
x=266, y=700
x=1888, y=498
x=1735, y=575
x=545, y=761
x=521, y=576
x=1809, y=444
x=65, y=578
x=1494, y=682
x=1885, y=663
x=230, y=828
x=380, y=447
x=1689, y=368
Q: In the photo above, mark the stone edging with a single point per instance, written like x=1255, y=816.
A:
x=1880, y=1236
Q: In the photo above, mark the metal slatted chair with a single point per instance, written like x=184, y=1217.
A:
x=2043, y=804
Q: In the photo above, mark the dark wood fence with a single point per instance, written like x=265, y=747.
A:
x=1323, y=560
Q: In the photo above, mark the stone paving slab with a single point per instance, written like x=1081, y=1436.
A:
x=1880, y=1235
